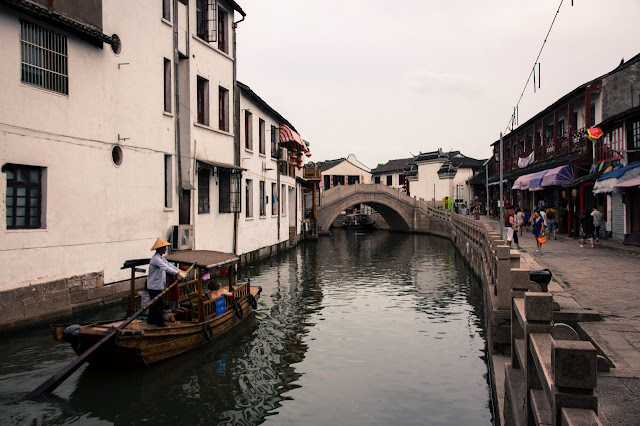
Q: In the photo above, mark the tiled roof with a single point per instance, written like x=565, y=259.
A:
x=402, y=164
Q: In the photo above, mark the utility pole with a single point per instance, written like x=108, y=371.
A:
x=501, y=192
x=486, y=171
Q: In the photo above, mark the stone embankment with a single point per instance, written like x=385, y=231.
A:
x=541, y=371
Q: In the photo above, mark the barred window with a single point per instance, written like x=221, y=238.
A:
x=204, y=177
x=44, y=58
x=24, y=196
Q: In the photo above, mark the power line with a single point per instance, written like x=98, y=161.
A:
x=533, y=68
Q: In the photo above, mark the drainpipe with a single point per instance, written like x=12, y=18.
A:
x=236, y=129
x=176, y=89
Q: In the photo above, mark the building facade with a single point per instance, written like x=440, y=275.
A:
x=273, y=204
x=343, y=171
x=438, y=175
x=551, y=161
x=393, y=173
x=121, y=124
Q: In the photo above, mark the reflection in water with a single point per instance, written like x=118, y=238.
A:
x=376, y=328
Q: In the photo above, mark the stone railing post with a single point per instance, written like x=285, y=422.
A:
x=574, y=370
x=538, y=311
x=503, y=277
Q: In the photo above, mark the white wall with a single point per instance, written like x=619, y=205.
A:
x=93, y=208
x=428, y=178
x=395, y=179
x=346, y=168
x=262, y=231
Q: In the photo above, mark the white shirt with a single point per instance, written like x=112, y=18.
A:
x=158, y=268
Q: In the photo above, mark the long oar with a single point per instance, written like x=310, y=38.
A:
x=55, y=380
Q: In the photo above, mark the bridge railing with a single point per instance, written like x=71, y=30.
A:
x=338, y=192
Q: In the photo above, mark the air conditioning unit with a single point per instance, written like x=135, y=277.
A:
x=182, y=237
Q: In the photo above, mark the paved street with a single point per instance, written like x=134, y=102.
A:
x=606, y=279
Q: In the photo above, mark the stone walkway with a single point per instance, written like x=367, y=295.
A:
x=605, y=278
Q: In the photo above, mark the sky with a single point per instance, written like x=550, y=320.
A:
x=386, y=80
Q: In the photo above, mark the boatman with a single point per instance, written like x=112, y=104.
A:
x=157, y=281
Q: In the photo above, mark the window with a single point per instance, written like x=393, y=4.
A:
x=351, y=180
x=338, y=180
x=223, y=105
x=390, y=180
x=167, y=85
x=229, y=191
x=376, y=179
x=24, y=196
x=166, y=9
x=203, y=101
x=274, y=143
x=43, y=58
x=274, y=199
x=560, y=128
x=593, y=116
x=261, y=129
x=168, y=179
x=262, y=199
x=400, y=179
x=635, y=135
x=248, y=200
x=327, y=181
x=206, y=20
x=283, y=197
x=611, y=147
x=204, y=177
x=222, y=30
x=248, y=133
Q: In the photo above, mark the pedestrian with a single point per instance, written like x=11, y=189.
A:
x=157, y=280
x=508, y=225
x=587, y=228
x=464, y=210
x=597, y=222
x=519, y=221
x=538, y=229
x=552, y=222
x=526, y=218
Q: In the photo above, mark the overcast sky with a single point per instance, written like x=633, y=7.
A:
x=385, y=80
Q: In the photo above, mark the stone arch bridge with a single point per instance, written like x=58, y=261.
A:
x=401, y=212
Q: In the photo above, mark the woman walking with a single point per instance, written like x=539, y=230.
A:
x=538, y=228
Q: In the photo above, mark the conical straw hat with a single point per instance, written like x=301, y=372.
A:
x=160, y=243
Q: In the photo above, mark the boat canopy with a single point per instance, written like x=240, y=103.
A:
x=204, y=258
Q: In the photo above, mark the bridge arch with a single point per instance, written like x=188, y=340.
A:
x=396, y=208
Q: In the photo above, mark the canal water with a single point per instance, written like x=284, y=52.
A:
x=356, y=329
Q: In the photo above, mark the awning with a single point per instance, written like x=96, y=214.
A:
x=522, y=182
x=504, y=181
x=630, y=183
x=535, y=184
x=221, y=165
x=558, y=176
x=608, y=182
x=291, y=139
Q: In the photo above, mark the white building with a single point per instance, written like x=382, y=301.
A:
x=439, y=174
x=343, y=171
x=117, y=124
x=393, y=173
x=272, y=210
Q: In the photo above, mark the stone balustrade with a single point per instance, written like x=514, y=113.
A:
x=555, y=377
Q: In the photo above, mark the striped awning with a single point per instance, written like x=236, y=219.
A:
x=290, y=139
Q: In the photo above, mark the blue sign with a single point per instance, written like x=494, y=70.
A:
x=221, y=308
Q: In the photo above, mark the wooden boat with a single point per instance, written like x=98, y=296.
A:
x=140, y=343
x=358, y=222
